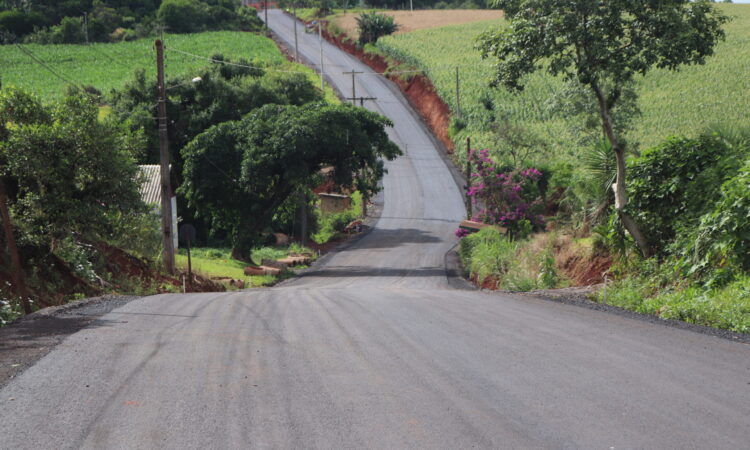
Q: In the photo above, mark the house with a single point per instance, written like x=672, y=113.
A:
x=151, y=194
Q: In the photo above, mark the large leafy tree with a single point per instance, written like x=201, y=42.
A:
x=238, y=174
x=66, y=171
x=602, y=45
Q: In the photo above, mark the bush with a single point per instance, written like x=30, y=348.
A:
x=20, y=23
x=720, y=248
x=487, y=254
x=510, y=198
x=373, y=25
x=181, y=16
x=672, y=185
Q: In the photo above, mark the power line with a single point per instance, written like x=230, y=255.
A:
x=42, y=63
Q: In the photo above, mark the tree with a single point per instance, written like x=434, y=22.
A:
x=238, y=174
x=373, y=25
x=66, y=171
x=602, y=45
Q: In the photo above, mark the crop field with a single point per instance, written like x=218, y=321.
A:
x=107, y=66
x=683, y=102
x=409, y=21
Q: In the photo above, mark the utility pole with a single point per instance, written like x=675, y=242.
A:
x=411, y=5
x=15, y=261
x=458, y=94
x=296, y=48
x=302, y=218
x=353, y=73
x=320, y=39
x=265, y=11
x=166, y=188
x=469, y=211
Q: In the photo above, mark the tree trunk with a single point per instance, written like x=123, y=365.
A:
x=621, y=196
x=15, y=260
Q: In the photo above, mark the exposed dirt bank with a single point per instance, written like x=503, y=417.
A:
x=419, y=90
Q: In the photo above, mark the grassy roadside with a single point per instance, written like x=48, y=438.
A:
x=727, y=307
x=218, y=264
x=492, y=261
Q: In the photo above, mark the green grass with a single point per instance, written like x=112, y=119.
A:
x=672, y=103
x=107, y=66
x=727, y=307
x=331, y=226
x=218, y=262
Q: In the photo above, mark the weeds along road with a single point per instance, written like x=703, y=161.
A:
x=374, y=349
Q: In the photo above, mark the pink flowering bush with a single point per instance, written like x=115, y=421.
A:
x=509, y=198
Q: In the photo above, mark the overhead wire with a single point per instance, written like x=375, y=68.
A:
x=31, y=55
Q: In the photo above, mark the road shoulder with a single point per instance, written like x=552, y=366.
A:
x=30, y=338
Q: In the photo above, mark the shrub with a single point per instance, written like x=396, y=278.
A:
x=511, y=198
x=675, y=183
x=373, y=25
x=20, y=23
x=721, y=247
x=181, y=16
x=487, y=253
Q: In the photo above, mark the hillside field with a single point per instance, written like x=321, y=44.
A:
x=107, y=66
x=409, y=21
x=683, y=102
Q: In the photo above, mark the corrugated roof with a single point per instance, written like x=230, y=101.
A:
x=151, y=187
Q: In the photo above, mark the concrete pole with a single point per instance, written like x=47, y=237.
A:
x=166, y=188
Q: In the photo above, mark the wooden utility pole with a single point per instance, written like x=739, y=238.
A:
x=469, y=210
x=361, y=100
x=302, y=218
x=15, y=261
x=296, y=47
x=458, y=94
x=353, y=73
x=265, y=10
x=320, y=39
x=166, y=188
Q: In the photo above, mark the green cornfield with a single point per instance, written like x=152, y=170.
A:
x=107, y=66
x=672, y=103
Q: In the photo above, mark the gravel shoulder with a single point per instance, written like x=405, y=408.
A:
x=30, y=338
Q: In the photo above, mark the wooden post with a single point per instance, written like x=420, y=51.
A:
x=458, y=94
x=15, y=261
x=302, y=218
x=190, y=267
x=296, y=48
x=166, y=188
x=469, y=208
x=320, y=39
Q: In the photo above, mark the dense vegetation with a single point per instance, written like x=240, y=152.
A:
x=238, y=174
x=72, y=185
x=687, y=181
x=79, y=21
x=94, y=234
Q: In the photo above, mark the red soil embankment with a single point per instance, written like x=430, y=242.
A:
x=419, y=90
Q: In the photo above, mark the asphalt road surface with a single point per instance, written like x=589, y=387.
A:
x=374, y=349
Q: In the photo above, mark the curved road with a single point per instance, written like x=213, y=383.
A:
x=374, y=349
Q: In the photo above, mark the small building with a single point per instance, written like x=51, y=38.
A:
x=151, y=194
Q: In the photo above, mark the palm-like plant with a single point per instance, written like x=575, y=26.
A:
x=372, y=25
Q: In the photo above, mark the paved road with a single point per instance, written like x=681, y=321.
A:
x=384, y=356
